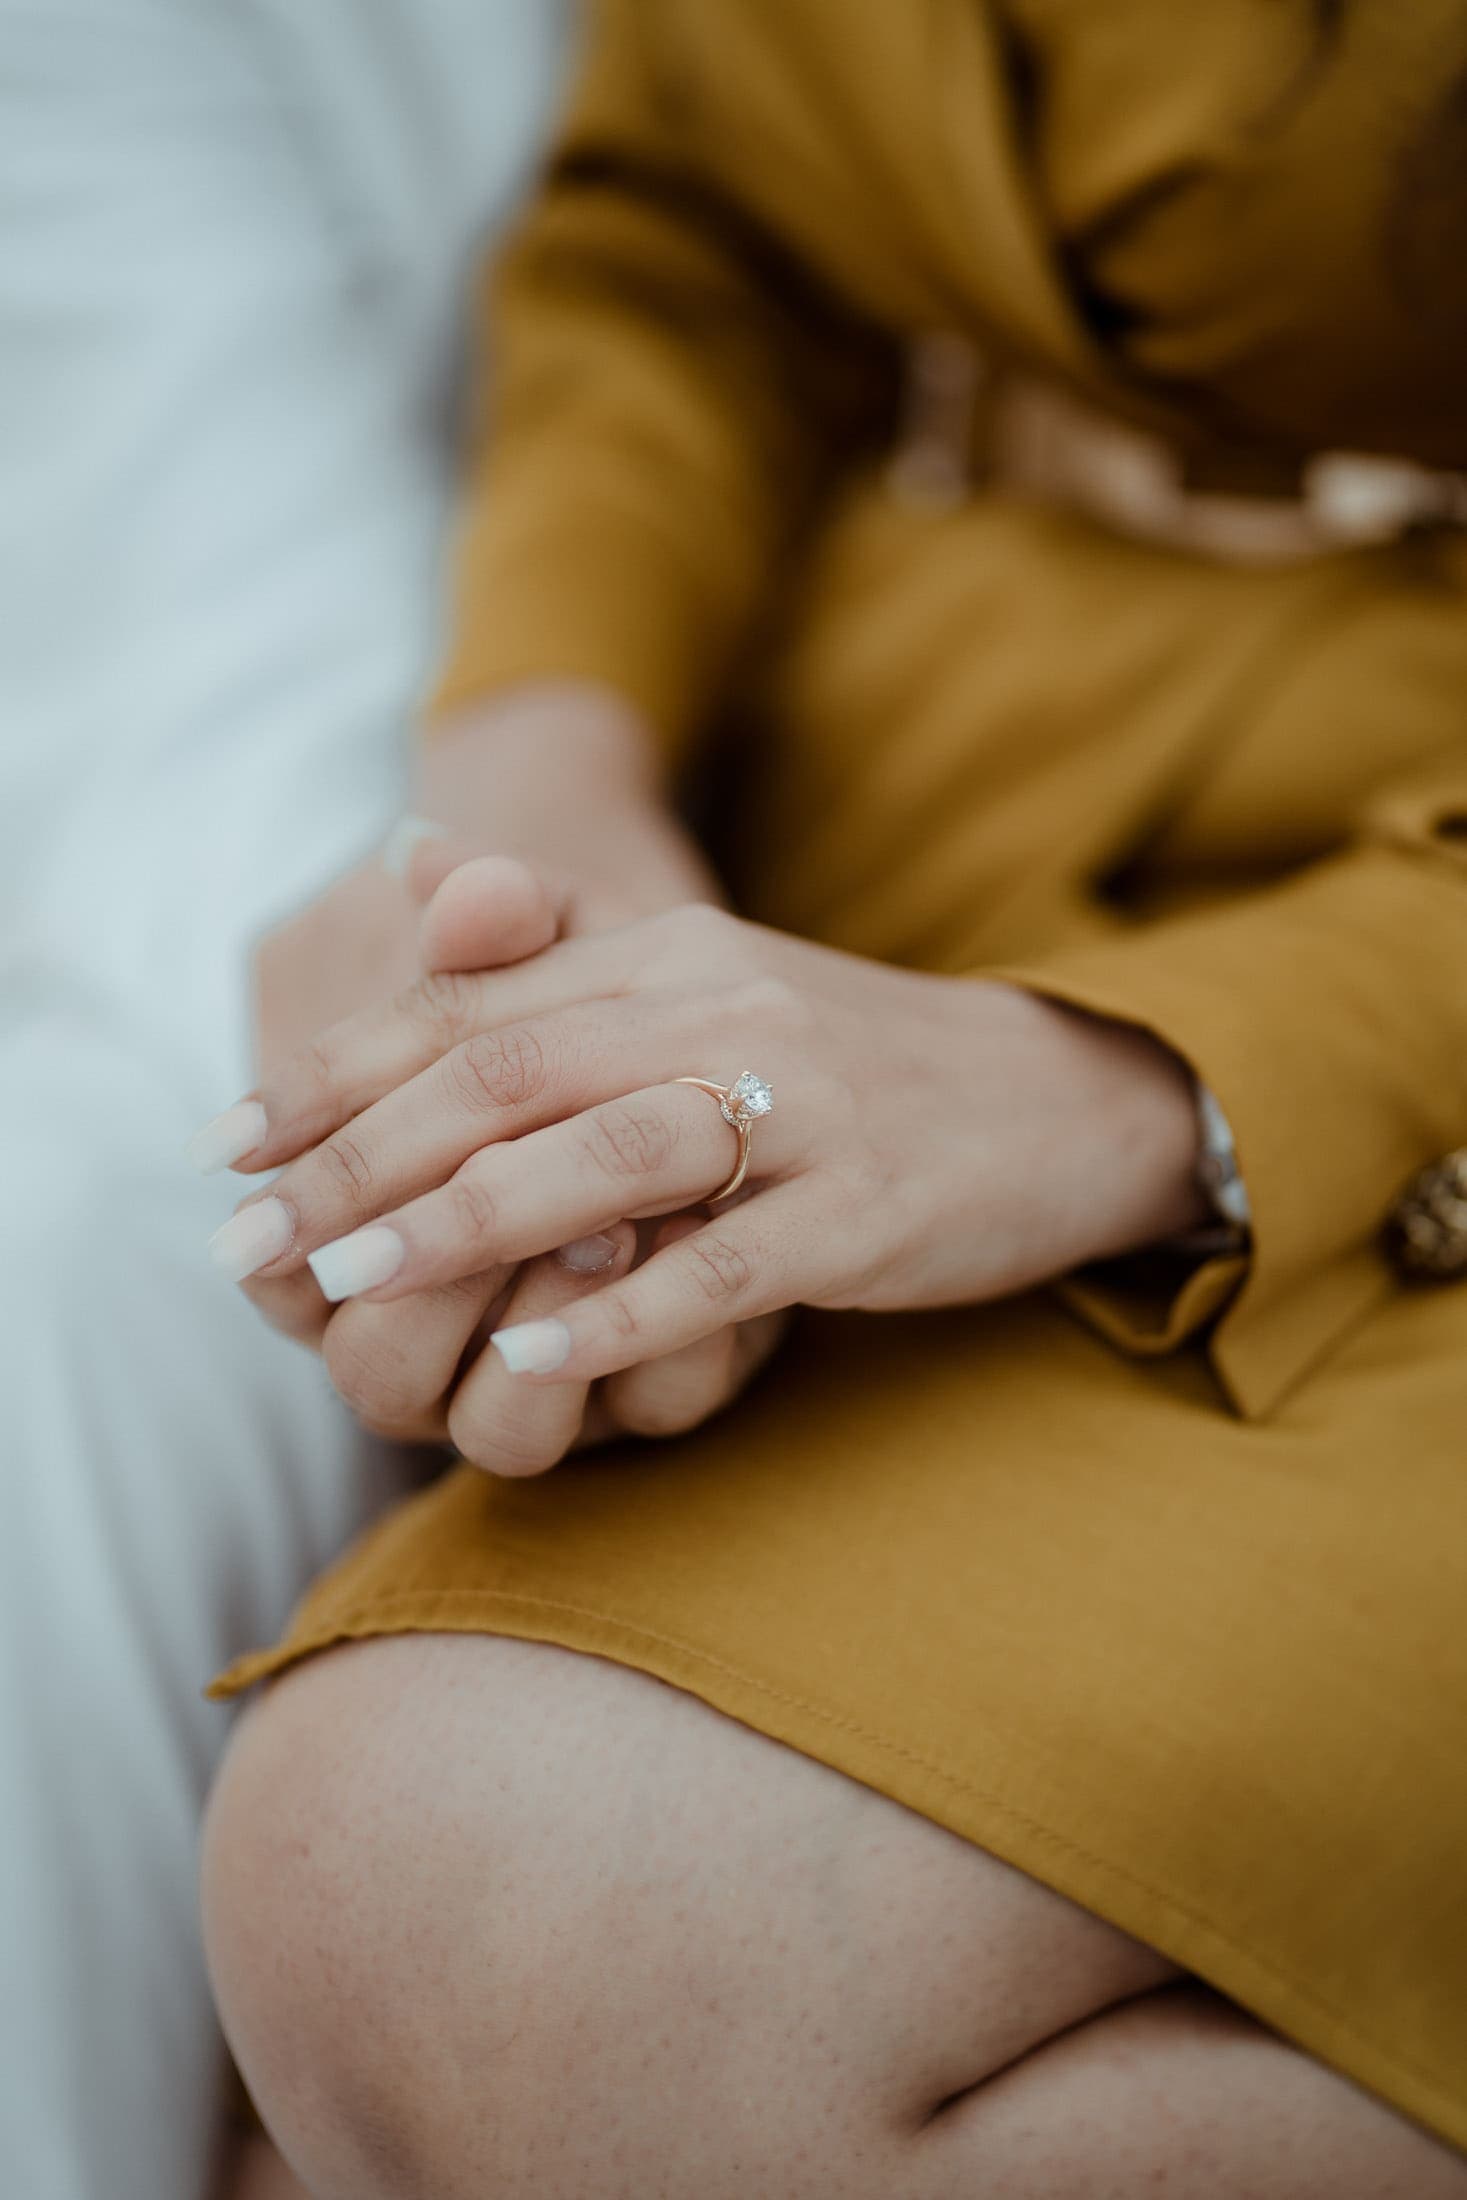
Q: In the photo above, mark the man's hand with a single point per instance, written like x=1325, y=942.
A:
x=539, y=777
x=560, y=776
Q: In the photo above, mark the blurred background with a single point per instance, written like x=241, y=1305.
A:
x=238, y=244
x=235, y=241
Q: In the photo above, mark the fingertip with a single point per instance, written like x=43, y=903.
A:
x=488, y=910
x=596, y=1259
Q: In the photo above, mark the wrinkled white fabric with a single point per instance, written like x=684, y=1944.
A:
x=233, y=241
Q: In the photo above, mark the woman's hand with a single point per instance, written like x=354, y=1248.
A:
x=417, y=1370
x=935, y=1140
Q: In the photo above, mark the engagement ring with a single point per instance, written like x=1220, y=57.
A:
x=740, y=1104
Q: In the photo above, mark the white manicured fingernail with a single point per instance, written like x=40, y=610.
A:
x=587, y=1256
x=228, y=1138
x=397, y=849
x=533, y=1348
x=257, y=1234
x=357, y=1263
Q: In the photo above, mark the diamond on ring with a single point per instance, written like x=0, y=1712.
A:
x=740, y=1104
x=747, y=1097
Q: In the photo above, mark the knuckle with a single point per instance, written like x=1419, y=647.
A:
x=475, y=1204
x=499, y=1069
x=629, y=1139
x=347, y=1166
x=720, y=1269
x=443, y=1005
x=370, y=1380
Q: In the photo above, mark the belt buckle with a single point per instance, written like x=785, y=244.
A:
x=931, y=467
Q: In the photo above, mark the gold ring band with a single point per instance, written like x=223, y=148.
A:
x=740, y=1104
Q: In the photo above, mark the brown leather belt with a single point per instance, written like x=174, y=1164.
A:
x=967, y=427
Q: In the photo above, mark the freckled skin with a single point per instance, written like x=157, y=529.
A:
x=490, y=1915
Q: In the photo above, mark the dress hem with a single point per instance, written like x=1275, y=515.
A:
x=1044, y=1851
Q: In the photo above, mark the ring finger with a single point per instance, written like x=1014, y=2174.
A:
x=647, y=1153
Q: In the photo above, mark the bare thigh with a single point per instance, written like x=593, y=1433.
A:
x=502, y=1916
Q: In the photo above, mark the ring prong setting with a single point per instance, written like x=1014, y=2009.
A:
x=748, y=1098
x=740, y=1104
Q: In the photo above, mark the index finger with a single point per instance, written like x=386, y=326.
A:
x=357, y=1061
x=501, y=1083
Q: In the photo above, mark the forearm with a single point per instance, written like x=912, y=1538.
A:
x=566, y=775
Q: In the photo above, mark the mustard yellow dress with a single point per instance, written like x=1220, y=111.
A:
x=1155, y=1585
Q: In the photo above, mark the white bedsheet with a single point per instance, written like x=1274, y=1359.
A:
x=233, y=242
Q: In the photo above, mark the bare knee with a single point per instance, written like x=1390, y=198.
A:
x=319, y=1926
x=444, y=1955
x=490, y=1915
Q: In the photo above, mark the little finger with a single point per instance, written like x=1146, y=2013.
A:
x=519, y=1429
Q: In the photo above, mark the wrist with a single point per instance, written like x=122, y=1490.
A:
x=1144, y=1137
x=1111, y=1131
x=565, y=775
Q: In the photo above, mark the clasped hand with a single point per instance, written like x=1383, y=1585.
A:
x=935, y=1140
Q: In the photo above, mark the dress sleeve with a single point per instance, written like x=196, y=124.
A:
x=1328, y=1014
x=670, y=388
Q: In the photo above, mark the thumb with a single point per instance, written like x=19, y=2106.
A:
x=478, y=910
x=489, y=910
